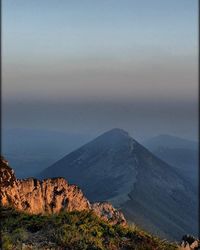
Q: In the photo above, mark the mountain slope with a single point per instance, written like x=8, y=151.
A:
x=117, y=168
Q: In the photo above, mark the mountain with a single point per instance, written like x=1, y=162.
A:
x=150, y=192
x=182, y=154
x=31, y=150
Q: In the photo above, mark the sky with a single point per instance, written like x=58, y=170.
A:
x=89, y=66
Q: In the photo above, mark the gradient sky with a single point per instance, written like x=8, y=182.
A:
x=91, y=65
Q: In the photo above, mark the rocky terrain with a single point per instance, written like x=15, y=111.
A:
x=50, y=196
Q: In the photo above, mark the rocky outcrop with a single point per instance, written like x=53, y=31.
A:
x=49, y=196
x=189, y=242
x=107, y=212
x=44, y=197
x=7, y=176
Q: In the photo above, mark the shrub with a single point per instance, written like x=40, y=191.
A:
x=6, y=242
x=19, y=235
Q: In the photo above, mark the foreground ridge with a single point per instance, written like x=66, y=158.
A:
x=50, y=196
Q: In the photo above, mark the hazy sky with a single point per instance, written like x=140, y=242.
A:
x=91, y=65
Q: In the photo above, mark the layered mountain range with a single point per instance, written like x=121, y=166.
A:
x=29, y=151
x=151, y=193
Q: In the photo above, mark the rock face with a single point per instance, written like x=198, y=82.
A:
x=49, y=196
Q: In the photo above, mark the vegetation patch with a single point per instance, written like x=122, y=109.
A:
x=73, y=231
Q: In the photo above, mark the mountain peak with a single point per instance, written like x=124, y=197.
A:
x=117, y=131
x=114, y=138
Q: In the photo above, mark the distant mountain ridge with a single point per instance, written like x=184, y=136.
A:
x=32, y=150
x=117, y=168
x=182, y=154
x=170, y=141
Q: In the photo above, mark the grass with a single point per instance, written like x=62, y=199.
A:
x=73, y=231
